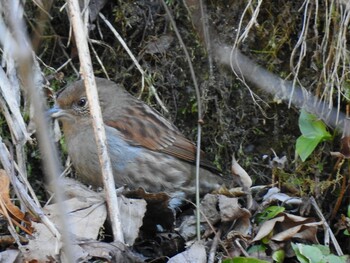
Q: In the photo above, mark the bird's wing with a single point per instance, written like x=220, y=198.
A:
x=142, y=126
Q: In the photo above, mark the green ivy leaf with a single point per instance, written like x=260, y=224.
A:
x=313, y=132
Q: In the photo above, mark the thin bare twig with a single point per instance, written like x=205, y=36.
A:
x=303, y=46
x=239, y=39
x=206, y=34
x=268, y=82
x=214, y=245
x=19, y=48
x=97, y=121
x=133, y=58
x=199, y=108
x=99, y=60
x=326, y=226
x=22, y=194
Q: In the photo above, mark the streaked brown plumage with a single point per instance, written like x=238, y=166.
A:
x=146, y=150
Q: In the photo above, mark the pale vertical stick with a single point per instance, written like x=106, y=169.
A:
x=95, y=110
x=21, y=50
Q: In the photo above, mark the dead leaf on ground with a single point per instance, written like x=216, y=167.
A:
x=208, y=207
x=158, y=216
x=195, y=253
x=87, y=215
x=286, y=226
x=111, y=252
x=231, y=210
x=240, y=174
x=8, y=209
x=90, y=210
x=132, y=212
x=216, y=208
x=45, y=245
x=274, y=195
x=209, y=216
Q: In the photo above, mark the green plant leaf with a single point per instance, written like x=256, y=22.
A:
x=305, y=146
x=316, y=254
x=279, y=256
x=312, y=127
x=256, y=249
x=313, y=132
x=269, y=212
x=336, y=259
x=244, y=260
x=300, y=253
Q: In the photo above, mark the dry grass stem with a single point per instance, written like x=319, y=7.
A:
x=133, y=58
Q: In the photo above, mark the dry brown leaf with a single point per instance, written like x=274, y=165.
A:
x=45, y=245
x=195, y=253
x=111, y=252
x=87, y=214
x=132, y=212
x=209, y=209
x=241, y=175
x=187, y=229
x=287, y=226
x=274, y=195
x=230, y=209
x=8, y=209
x=267, y=227
x=305, y=231
x=88, y=211
x=209, y=216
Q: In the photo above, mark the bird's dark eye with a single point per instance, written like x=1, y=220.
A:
x=82, y=102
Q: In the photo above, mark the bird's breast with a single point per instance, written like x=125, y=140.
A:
x=134, y=166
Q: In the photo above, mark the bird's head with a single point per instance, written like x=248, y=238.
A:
x=71, y=103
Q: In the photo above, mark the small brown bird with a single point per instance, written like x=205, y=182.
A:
x=145, y=149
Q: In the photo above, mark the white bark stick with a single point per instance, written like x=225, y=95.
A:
x=95, y=110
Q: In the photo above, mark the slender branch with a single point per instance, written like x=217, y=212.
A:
x=137, y=64
x=261, y=78
x=326, y=226
x=97, y=121
x=199, y=108
x=206, y=34
x=19, y=47
x=214, y=246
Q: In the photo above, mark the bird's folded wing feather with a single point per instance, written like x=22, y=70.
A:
x=153, y=132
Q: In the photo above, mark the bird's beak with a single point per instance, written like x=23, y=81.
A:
x=56, y=112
